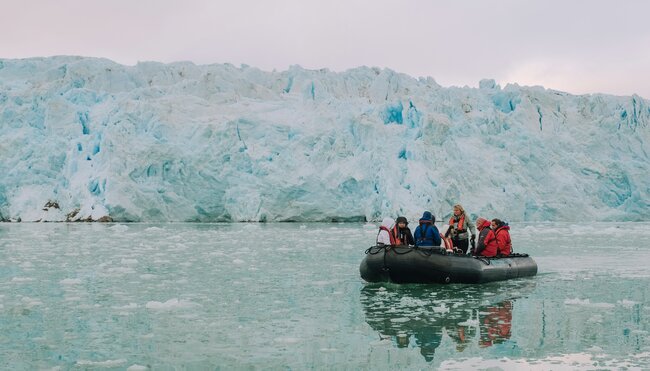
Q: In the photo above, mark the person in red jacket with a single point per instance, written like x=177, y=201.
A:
x=502, y=236
x=483, y=226
x=489, y=242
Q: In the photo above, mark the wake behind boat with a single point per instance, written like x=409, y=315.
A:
x=402, y=264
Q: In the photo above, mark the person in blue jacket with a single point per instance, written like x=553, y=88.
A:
x=427, y=234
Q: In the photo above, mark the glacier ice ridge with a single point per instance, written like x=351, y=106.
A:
x=89, y=139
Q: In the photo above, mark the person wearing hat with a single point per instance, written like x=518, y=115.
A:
x=427, y=234
x=483, y=226
x=402, y=232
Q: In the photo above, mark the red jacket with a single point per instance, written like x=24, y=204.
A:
x=504, y=244
x=490, y=245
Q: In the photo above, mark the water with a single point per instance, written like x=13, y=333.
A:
x=289, y=296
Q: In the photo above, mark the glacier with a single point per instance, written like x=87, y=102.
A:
x=90, y=139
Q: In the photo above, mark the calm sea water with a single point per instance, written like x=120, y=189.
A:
x=289, y=296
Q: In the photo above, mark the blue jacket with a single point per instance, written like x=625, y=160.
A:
x=427, y=234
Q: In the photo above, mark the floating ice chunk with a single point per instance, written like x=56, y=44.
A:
x=588, y=303
x=120, y=228
x=577, y=301
x=171, y=304
x=596, y=318
x=22, y=279
x=120, y=270
x=287, y=340
x=469, y=322
x=30, y=302
x=626, y=303
x=441, y=309
x=107, y=363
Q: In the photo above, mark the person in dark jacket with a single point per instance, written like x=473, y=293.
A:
x=427, y=234
x=483, y=226
x=402, y=232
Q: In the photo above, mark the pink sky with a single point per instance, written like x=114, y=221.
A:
x=579, y=46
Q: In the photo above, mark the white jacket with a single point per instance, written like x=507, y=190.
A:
x=383, y=236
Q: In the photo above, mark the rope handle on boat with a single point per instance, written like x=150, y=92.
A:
x=373, y=250
x=488, y=261
x=410, y=250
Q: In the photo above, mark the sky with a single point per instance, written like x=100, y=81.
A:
x=577, y=46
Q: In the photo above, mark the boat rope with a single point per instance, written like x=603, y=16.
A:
x=374, y=250
x=403, y=253
x=488, y=260
x=385, y=267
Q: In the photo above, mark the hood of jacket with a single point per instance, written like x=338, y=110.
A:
x=483, y=225
x=427, y=217
x=388, y=223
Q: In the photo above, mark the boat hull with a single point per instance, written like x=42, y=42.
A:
x=434, y=265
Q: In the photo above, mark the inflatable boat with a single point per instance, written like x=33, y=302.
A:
x=402, y=264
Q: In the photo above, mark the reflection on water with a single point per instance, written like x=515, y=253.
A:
x=495, y=323
x=419, y=315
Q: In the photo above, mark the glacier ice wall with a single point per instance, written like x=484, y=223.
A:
x=85, y=138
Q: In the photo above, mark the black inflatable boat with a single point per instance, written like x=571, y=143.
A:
x=403, y=264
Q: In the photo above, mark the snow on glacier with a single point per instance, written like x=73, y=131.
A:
x=85, y=138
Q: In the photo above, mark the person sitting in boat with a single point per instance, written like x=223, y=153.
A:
x=483, y=226
x=427, y=234
x=459, y=225
x=497, y=241
x=502, y=234
x=385, y=237
x=402, y=233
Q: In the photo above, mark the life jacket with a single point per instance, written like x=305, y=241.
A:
x=390, y=235
x=394, y=234
x=461, y=223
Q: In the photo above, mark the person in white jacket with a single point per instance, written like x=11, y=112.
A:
x=384, y=236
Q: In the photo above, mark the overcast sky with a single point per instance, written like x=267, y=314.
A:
x=578, y=46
